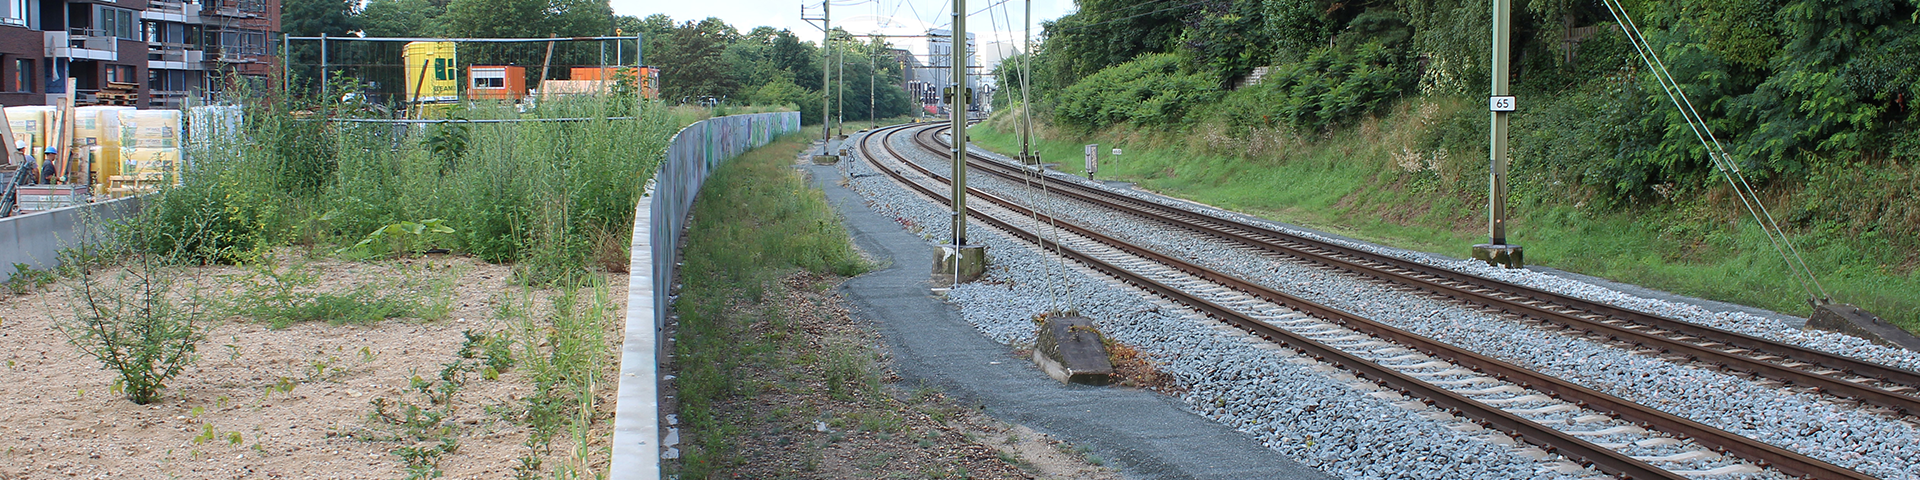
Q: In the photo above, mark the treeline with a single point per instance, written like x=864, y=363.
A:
x=1791, y=87
x=704, y=60
x=709, y=59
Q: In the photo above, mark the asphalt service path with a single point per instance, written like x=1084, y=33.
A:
x=1142, y=433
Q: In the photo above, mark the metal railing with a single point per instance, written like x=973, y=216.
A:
x=661, y=212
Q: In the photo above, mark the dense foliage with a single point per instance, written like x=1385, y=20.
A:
x=701, y=61
x=1787, y=86
x=710, y=59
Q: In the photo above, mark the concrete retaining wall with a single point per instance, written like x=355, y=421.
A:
x=36, y=239
x=662, y=211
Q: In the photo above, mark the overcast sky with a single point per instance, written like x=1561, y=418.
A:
x=997, y=20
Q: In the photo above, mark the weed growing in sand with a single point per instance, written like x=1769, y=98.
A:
x=26, y=280
x=564, y=355
x=134, y=322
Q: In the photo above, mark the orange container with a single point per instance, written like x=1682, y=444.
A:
x=496, y=82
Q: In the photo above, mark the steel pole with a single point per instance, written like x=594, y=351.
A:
x=959, y=105
x=826, y=73
x=323, y=65
x=1497, y=190
x=1026, y=70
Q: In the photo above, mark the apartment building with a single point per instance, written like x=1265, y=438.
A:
x=145, y=53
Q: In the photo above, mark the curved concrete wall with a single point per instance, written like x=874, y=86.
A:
x=662, y=211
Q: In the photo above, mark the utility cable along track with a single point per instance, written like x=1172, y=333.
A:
x=1886, y=386
x=1445, y=377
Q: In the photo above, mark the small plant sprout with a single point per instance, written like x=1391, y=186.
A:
x=234, y=438
x=366, y=355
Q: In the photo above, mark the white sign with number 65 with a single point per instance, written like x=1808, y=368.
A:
x=1500, y=104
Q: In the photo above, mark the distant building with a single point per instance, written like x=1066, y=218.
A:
x=146, y=53
x=938, y=72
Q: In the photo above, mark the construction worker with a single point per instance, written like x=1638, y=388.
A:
x=47, y=171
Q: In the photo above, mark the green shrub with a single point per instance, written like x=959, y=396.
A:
x=1150, y=90
x=135, y=322
x=1332, y=87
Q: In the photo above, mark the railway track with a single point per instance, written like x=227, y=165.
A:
x=1838, y=375
x=1597, y=428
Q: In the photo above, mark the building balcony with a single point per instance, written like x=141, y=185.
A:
x=82, y=43
x=166, y=11
x=175, y=56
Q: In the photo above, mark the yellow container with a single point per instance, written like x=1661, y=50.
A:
x=431, y=73
x=30, y=125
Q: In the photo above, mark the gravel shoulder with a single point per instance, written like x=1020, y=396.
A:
x=1144, y=434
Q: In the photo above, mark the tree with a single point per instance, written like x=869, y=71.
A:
x=400, y=18
x=310, y=18
x=692, y=64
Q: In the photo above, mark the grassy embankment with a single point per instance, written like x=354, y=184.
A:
x=1362, y=182
x=773, y=378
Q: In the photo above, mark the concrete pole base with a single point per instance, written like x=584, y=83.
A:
x=1071, y=350
x=959, y=264
x=1851, y=320
x=1033, y=159
x=1499, y=255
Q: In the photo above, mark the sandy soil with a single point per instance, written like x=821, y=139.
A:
x=58, y=418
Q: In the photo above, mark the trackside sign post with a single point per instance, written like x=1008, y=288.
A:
x=1093, y=159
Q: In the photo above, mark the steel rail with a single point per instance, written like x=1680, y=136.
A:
x=1578, y=314
x=1608, y=461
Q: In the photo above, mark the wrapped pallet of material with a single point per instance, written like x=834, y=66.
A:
x=106, y=163
x=97, y=125
x=150, y=164
x=149, y=128
x=30, y=124
x=209, y=125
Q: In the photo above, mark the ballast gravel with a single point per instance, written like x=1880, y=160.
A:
x=1811, y=424
x=1302, y=413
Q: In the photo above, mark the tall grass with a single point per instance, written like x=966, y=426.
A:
x=755, y=221
x=542, y=195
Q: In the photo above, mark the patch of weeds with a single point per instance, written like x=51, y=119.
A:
x=849, y=371
x=27, y=280
x=423, y=461
x=564, y=355
x=494, y=350
x=285, y=296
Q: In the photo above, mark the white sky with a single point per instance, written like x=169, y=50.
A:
x=999, y=23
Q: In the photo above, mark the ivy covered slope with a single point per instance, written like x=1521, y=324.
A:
x=1368, y=117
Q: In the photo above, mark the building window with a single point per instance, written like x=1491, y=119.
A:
x=15, y=13
x=22, y=75
x=491, y=78
x=119, y=74
x=118, y=22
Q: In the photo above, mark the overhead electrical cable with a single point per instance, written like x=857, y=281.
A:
x=1716, y=153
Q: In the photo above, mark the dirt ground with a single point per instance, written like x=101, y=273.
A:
x=269, y=403
x=789, y=425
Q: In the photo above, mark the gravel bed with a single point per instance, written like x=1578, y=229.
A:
x=1811, y=424
x=1232, y=377
x=1760, y=326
